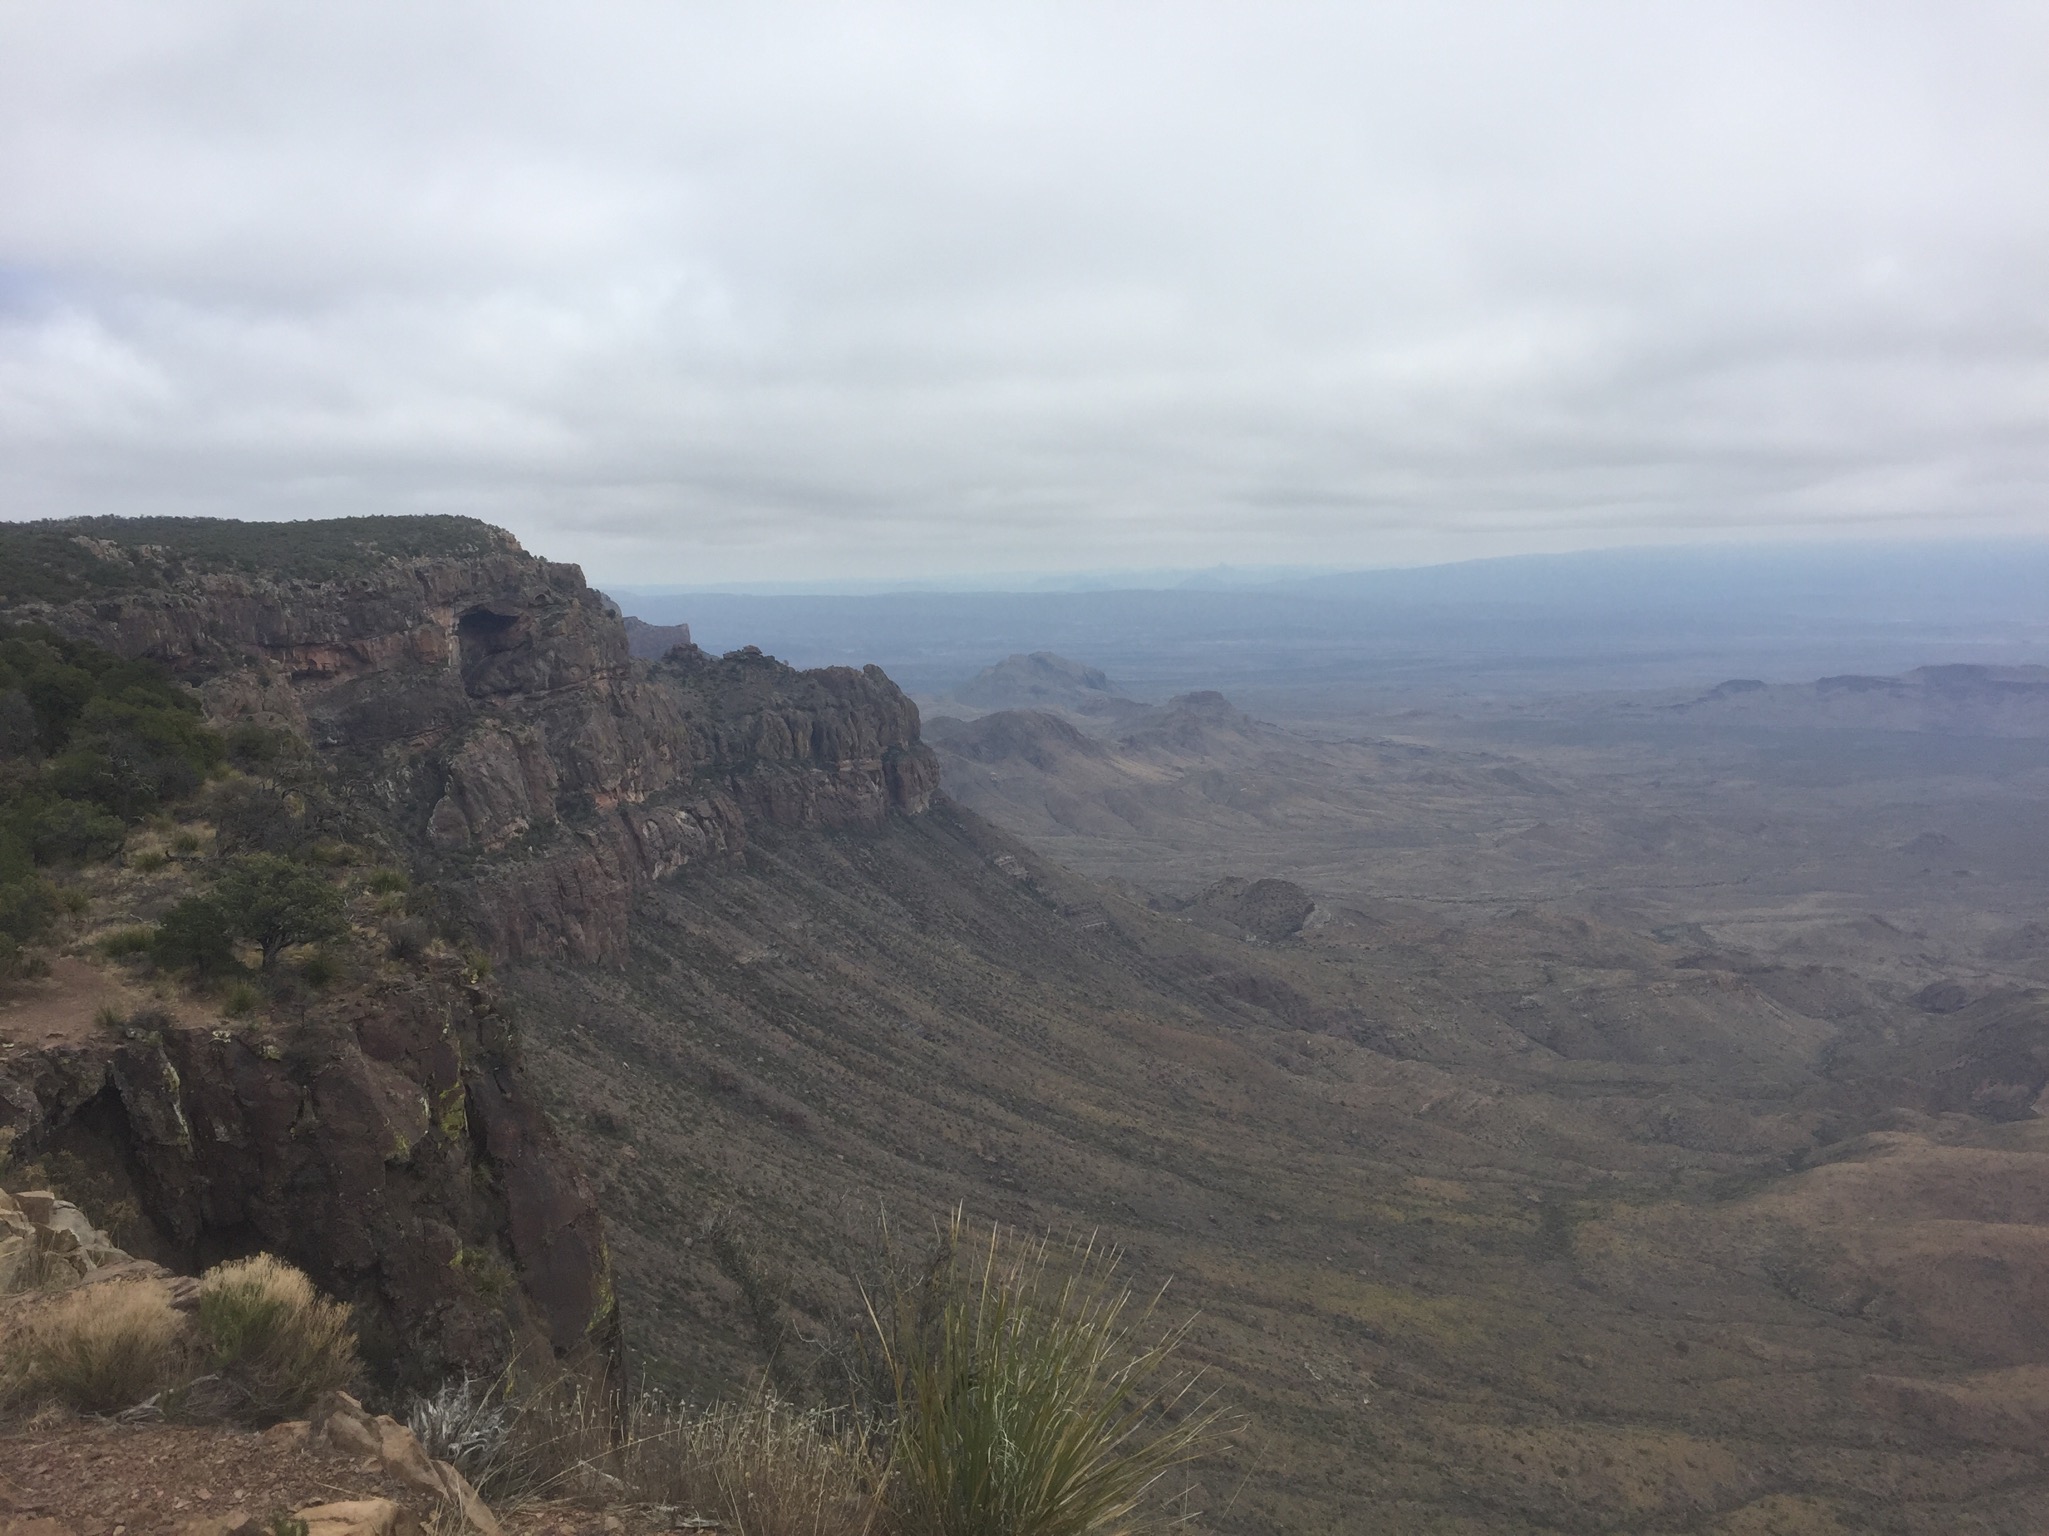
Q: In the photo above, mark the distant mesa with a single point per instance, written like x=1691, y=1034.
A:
x=1039, y=681
x=651, y=642
x=1955, y=699
x=1189, y=723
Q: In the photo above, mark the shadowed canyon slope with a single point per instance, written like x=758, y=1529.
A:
x=1555, y=1127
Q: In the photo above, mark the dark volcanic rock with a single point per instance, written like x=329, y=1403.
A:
x=388, y=1144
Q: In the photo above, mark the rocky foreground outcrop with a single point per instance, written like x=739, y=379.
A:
x=387, y=1142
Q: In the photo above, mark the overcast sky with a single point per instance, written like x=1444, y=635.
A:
x=731, y=291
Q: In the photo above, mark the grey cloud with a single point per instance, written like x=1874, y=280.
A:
x=714, y=292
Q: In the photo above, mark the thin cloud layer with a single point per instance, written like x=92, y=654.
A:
x=710, y=293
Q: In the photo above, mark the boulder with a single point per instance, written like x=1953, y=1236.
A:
x=342, y=1423
x=43, y=1238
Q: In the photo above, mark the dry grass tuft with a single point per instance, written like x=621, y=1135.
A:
x=99, y=1349
x=758, y=1469
x=274, y=1335
x=763, y=1469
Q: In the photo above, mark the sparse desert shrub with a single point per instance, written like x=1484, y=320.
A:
x=103, y=1348
x=388, y=882
x=318, y=970
x=149, y=860
x=407, y=939
x=185, y=843
x=126, y=942
x=274, y=1335
x=1032, y=1398
x=240, y=1000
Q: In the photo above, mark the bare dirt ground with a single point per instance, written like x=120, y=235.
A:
x=106, y=1479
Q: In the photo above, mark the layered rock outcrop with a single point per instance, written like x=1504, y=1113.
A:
x=487, y=708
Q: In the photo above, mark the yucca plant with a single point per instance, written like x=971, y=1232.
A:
x=1033, y=1398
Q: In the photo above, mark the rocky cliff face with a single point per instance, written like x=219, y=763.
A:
x=482, y=708
x=387, y=1143
x=486, y=707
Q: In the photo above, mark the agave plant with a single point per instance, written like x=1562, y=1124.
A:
x=467, y=1423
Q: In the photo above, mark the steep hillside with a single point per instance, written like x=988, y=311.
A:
x=1475, y=1247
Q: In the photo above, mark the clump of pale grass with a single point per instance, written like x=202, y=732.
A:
x=761, y=1468
x=272, y=1334
x=99, y=1349
x=1033, y=1398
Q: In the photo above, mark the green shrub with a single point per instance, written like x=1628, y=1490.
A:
x=1029, y=1394
x=89, y=744
x=27, y=908
x=240, y=1000
x=185, y=843
x=249, y=817
x=195, y=935
x=318, y=970
x=274, y=903
x=103, y=1348
x=149, y=860
x=253, y=746
x=388, y=882
x=274, y=1335
x=56, y=831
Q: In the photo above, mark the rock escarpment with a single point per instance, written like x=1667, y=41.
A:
x=486, y=707
x=387, y=1142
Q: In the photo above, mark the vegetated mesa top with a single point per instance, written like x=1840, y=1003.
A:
x=66, y=559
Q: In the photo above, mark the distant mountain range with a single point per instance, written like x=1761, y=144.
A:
x=1537, y=623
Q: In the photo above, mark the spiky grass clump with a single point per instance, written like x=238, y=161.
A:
x=100, y=1349
x=274, y=1335
x=1032, y=1397
x=469, y=1424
